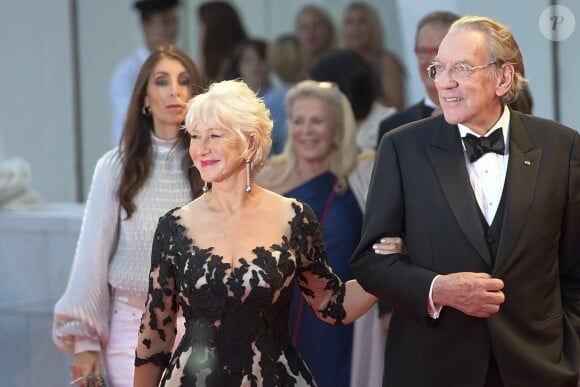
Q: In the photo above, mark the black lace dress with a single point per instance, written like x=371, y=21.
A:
x=236, y=329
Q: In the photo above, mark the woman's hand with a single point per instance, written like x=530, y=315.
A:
x=83, y=363
x=390, y=245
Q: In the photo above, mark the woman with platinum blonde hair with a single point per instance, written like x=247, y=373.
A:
x=229, y=260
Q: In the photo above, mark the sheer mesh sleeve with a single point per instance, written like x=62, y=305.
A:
x=322, y=288
x=158, y=324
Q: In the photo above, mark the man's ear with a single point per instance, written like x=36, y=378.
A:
x=505, y=79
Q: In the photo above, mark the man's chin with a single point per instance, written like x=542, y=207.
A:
x=451, y=118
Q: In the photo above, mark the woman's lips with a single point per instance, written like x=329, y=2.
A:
x=207, y=163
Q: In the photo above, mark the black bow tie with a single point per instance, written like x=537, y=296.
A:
x=478, y=146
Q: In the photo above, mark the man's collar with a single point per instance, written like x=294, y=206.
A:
x=503, y=122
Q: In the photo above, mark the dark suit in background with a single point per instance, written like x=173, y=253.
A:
x=412, y=113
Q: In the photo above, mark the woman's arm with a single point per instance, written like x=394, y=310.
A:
x=357, y=301
x=158, y=323
x=332, y=300
x=81, y=315
x=147, y=375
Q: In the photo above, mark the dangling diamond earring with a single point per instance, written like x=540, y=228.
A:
x=248, y=172
x=205, y=187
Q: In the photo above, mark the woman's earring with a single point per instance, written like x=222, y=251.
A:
x=146, y=110
x=248, y=175
x=205, y=187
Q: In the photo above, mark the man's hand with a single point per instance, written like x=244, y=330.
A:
x=475, y=294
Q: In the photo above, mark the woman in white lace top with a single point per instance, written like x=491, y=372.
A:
x=132, y=186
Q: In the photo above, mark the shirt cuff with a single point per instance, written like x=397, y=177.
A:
x=87, y=345
x=433, y=310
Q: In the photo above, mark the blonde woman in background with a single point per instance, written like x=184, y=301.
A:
x=362, y=32
x=322, y=165
x=316, y=32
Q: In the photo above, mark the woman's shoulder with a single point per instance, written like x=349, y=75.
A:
x=111, y=161
x=111, y=157
x=298, y=209
x=108, y=167
x=171, y=216
x=303, y=221
x=277, y=200
x=191, y=207
x=289, y=207
x=169, y=220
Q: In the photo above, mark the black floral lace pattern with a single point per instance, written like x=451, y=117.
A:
x=236, y=329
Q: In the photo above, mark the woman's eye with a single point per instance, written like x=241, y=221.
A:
x=161, y=81
x=184, y=81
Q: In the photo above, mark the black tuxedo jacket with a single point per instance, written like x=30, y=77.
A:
x=412, y=113
x=420, y=189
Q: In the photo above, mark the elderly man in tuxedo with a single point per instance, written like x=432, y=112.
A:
x=487, y=200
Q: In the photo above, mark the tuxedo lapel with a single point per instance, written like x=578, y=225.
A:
x=446, y=155
x=520, y=185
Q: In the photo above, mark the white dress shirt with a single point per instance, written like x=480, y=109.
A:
x=487, y=174
x=487, y=178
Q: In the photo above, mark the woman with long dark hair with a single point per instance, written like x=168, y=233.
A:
x=133, y=185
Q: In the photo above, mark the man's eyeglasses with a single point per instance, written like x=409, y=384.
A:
x=458, y=71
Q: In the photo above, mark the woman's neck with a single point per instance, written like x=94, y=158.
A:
x=306, y=170
x=228, y=202
x=166, y=132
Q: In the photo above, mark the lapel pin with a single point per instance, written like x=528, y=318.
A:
x=527, y=162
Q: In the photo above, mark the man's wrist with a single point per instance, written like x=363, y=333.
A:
x=433, y=309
